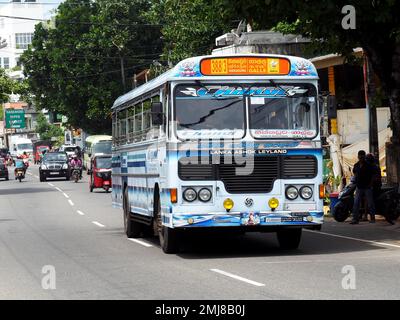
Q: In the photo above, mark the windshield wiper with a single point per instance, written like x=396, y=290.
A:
x=279, y=87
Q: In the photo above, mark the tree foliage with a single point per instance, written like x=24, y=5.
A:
x=189, y=28
x=75, y=68
x=377, y=32
x=48, y=131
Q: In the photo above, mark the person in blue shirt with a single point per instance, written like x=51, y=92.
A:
x=19, y=164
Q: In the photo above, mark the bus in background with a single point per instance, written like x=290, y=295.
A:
x=220, y=142
x=95, y=145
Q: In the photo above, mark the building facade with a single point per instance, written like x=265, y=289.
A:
x=17, y=25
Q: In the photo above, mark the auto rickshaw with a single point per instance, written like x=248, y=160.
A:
x=100, y=173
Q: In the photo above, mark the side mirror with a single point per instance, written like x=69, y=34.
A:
x=157, y=116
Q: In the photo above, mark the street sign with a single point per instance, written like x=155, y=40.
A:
x=15, y=118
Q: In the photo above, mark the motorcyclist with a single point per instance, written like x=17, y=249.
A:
x=19, y=164
x=76, y=162
x=25, y=159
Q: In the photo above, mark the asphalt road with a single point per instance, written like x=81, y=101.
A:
x=62, y=225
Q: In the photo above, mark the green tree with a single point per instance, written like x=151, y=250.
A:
x=75, y=68
x=48, y=131
x=6, y=86
x=189, y=27
x=377, y=32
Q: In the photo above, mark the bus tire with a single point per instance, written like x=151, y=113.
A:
x=169, y=241
x=132, y=228
x=289, y=238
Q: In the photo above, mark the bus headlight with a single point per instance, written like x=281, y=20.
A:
x=189, y=195
x=306, y=192
x=204, y=195
x=291, y=193
x=228, y=204
x=273, y=203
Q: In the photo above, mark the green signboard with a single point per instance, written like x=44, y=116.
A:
x=15, y=118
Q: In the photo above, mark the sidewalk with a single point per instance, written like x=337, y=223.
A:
x=379, y=231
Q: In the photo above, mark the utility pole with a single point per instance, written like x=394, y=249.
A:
x=370, y=94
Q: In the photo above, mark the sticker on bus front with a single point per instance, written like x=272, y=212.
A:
x=250, y=218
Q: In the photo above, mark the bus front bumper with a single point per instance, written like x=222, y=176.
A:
x=249, y=219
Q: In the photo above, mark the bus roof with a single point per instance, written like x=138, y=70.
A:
x=97, y=138
x=246, y=66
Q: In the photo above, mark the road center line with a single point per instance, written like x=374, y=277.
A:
x=98, y=224
x=356, y=239
x=80, y=212
x=70, y=202
x=141, y=242
x=57, y=188
x=65, y=195
x=254, y=283
x=50, y=184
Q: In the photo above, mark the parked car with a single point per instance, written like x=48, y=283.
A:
x=3, y=170
x=54, y=165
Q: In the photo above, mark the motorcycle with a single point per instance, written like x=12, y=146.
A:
x=76, y=174
x=387, y=203
x=19, y=174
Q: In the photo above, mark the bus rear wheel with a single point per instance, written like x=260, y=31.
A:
x=289, y=238
x=168, y=237
x=132, y=228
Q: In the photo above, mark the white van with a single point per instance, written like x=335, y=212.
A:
x=19, y=145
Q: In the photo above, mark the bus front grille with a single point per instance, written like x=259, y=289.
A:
x=256, y=175
x=299, y=167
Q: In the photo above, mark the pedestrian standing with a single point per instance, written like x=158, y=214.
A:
x=364, y=175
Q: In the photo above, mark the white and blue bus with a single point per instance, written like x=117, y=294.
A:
x=220, y=142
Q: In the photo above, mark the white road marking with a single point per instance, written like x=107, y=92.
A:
x=141, y=242
x=70, y=202
x=29, y=173
x=36, y=176
x=57, y=188
x=254, y=283
x=65, y=195
x=80, y=212
x=356, y=239
x=50, y=184
x=98, y=224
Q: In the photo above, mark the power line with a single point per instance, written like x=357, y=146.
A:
x=84, y=23
x=94, y=74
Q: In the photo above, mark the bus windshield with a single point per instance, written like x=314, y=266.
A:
x=275, y=111
x=202, y=111
x=292, y=113
x=102, y=147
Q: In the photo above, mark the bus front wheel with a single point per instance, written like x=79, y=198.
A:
x=168, y=237
x=289, y=238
